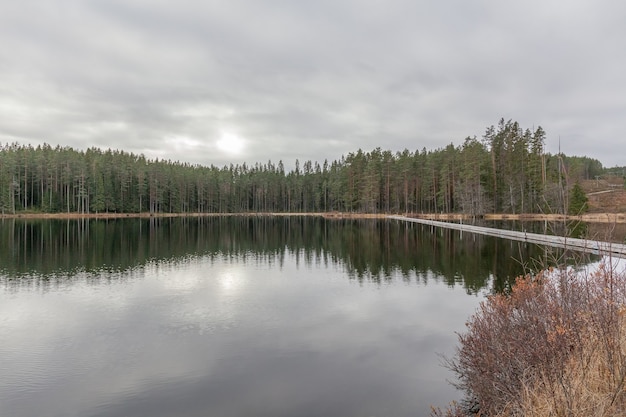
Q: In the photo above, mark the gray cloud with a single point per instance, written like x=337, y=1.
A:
x=309, y=80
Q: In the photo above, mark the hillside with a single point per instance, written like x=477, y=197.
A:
x=606, y=195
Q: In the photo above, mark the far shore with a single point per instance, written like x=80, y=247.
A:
x=588, y=217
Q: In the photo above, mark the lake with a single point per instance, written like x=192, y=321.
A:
x=238, y=316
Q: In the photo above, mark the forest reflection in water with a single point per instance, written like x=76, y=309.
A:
x=263, y=316
x=369, y=250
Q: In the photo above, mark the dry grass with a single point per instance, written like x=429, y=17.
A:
x=587, y=388
x=330, y=215
x=610, y=218
x=589, y=217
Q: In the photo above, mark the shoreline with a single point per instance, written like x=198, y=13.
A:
x=587, y=218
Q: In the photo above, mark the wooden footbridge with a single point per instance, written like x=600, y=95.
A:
x=583, y=245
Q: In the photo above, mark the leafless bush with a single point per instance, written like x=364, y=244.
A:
x=556, y=345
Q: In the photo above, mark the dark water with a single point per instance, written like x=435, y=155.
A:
x=606, y=232
x=237, y=316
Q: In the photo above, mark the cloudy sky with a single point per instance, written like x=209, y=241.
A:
x=213, y=82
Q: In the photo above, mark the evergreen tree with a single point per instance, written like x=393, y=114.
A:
x=508, y=171
x=578, y=201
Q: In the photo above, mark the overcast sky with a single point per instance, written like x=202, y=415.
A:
x=214, y=82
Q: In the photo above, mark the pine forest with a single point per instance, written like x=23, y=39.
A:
x=505, y=171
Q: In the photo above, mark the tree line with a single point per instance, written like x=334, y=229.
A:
x=507, y=170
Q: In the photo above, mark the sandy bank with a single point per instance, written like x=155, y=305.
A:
x=589, y=218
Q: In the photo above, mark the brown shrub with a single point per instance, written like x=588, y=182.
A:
x=554, y=346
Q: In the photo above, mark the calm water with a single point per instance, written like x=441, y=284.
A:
x=237, y=316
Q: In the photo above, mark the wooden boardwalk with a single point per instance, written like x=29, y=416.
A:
x=583, y=245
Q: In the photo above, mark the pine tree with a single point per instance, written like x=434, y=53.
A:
x=578, y=202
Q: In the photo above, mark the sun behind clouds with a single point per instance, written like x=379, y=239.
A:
x=231, y=143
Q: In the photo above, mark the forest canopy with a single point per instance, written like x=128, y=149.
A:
x=507, y=170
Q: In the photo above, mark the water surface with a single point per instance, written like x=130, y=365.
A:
x=237, y=316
